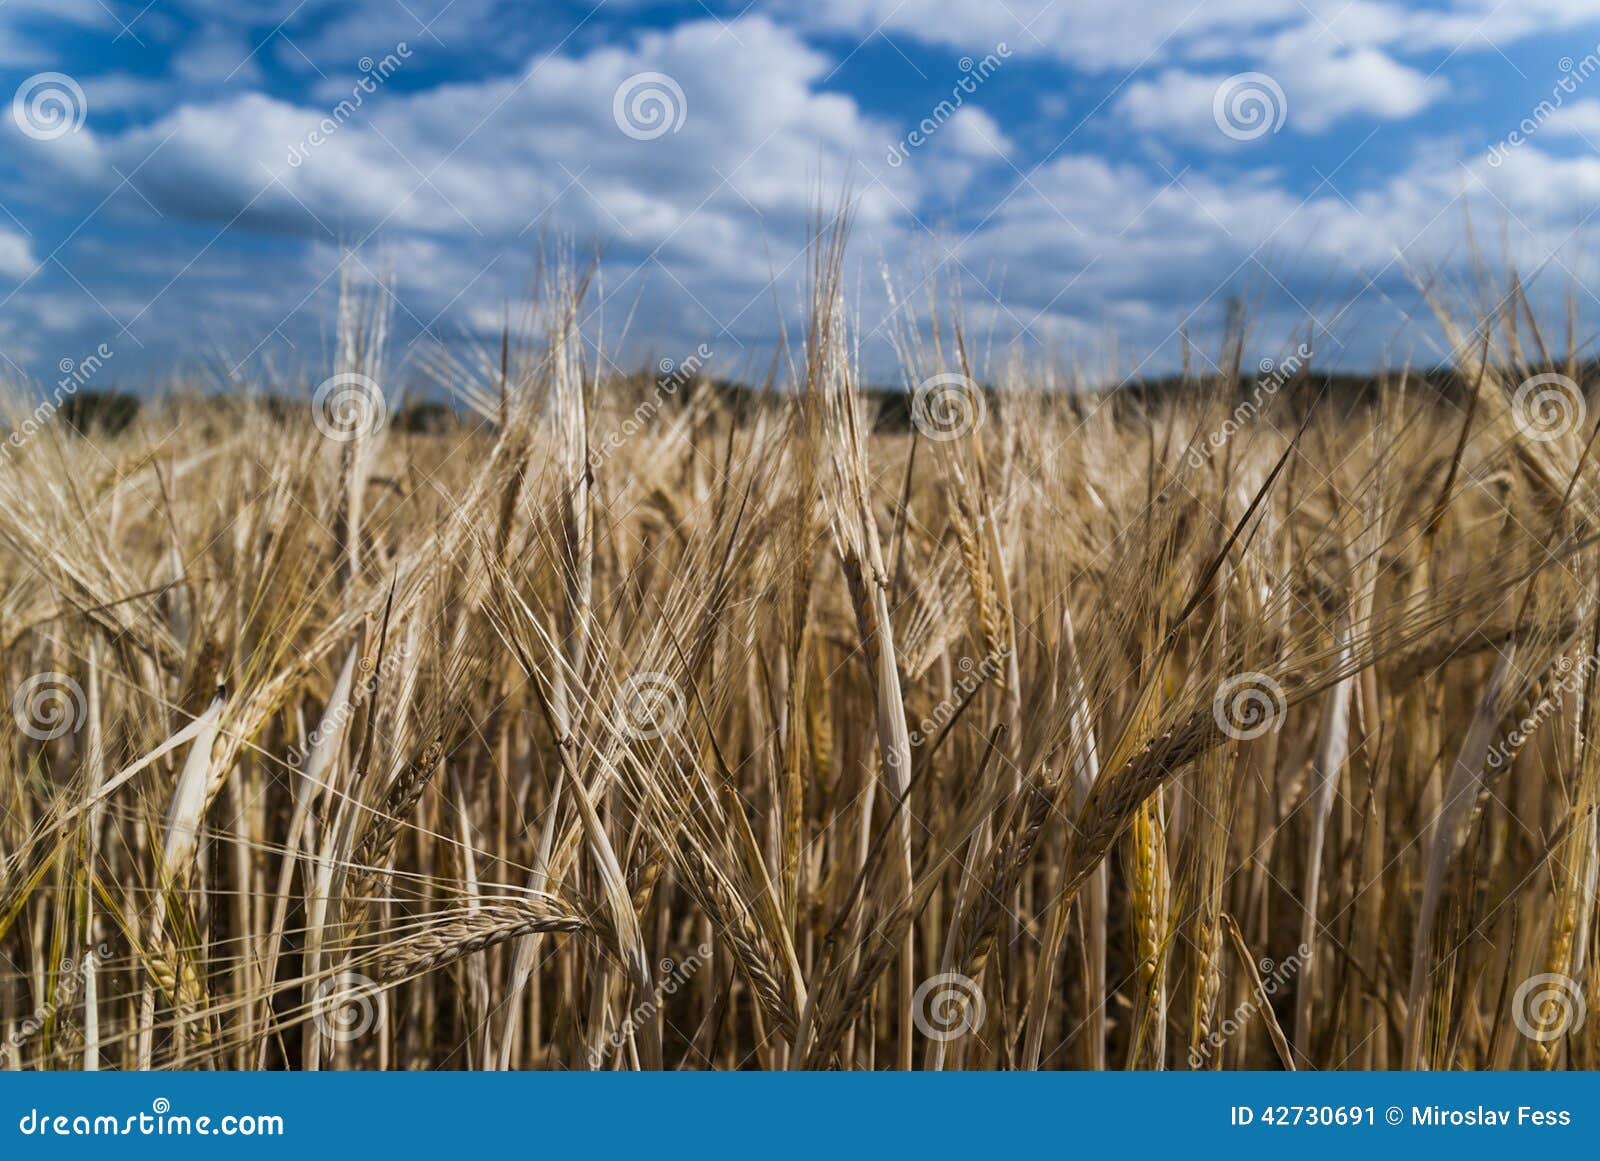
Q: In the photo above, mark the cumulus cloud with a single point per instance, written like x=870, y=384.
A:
x=974, y=133
x=125, y=92
x=21, y=48
x=1176, y=101
x=218, y=55
x=1579, y=119
x=1325, y=88
x=1094, y=36
x=1088, y=242
x=1317, y=90
x=16, y=51
x=443, y=30
x=1101, y=35
x=16, y=255
x=490, y=157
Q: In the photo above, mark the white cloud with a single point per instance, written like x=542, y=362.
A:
x=1324, y=88
x=1460, y=25
x=1579, y=119
x=127, y=92
x=1113, y=35
x=1095, y=35
x=1318, y=90
x=974, y=133
x=16, y=255
x=439, y=29
x=218, y=55
x=489, y=158
x=1090, y=244
x=1176, y=101
x=17, y=52
x=84, y=13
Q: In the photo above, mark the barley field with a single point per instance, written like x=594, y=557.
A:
x=1241, y=724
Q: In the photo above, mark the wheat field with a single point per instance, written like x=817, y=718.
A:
x=1237, y=725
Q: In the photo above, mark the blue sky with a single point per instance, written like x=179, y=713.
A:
x=188, y=182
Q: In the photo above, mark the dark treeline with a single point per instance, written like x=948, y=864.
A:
x=110, y=412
